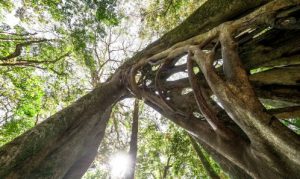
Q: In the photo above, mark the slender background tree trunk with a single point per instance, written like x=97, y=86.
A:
x=133, y=140
x=208, y=168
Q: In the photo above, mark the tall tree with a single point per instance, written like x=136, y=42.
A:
x=226, y=41
x=133, y=140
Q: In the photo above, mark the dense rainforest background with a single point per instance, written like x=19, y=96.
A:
x=152, y=89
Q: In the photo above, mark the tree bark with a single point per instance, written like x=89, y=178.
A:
x=266, y=136
x=261, y=148
x=207, y=167
x=64, y=145
x=133, y=141
x=90, y=150
x=233, y=170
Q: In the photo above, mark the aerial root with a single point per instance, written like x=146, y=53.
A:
x=203, y=106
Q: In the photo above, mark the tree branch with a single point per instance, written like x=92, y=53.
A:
x=204, y=107
x=29, y=62
x=19, y=48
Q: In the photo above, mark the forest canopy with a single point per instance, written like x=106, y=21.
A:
x=152, y=89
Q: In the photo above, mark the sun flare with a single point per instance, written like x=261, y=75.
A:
x=119, y=164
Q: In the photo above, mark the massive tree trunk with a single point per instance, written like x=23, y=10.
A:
x=246, y=35
x=247, y=133
x=64, y=145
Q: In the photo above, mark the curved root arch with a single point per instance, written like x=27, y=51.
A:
x=230, y=85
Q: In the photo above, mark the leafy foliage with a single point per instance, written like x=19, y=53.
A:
x=293, y=124
x=163, y=15
x=39, y=69
x=169, y=151
x=14, y=128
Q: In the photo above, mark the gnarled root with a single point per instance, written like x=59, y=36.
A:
x=240, y=102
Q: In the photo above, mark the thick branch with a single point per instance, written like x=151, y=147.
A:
x=30, y=62
x=205, y=109
x=19, y=48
